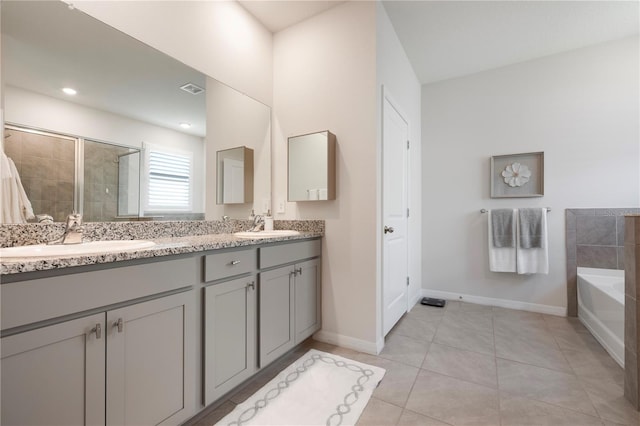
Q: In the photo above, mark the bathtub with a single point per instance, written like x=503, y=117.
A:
x=601, y=307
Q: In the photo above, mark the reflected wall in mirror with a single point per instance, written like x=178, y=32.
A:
x=236, y=121
x=128, y=94
x=312, y=167
x=235, y=176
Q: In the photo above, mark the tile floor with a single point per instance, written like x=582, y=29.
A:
x=469, y=364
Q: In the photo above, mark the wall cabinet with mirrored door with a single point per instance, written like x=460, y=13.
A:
x=312, y=167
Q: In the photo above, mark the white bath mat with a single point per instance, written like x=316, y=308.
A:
x=317, y=389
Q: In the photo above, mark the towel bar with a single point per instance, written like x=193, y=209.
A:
x=485, y=210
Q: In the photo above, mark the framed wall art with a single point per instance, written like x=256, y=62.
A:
x=517, y=175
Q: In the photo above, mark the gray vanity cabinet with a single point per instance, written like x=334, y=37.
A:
x=276, y=313
x=230, y=335
x=289, y=297
x=55, y=374
x=149, y=379
x=113, y=346
x=307, y=299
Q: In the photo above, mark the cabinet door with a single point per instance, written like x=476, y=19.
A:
x=149, y=378
x=229, y=335
x=307, y=294
x=55, y=375
x=276, y=313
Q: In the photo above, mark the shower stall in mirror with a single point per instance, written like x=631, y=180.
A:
x=62, y=173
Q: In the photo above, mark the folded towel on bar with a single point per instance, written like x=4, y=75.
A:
x=502, y=228
x=502, y=259
x=533, y=259
x=530, y=221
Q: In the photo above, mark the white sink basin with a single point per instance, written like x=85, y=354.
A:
x=266, y=234
x=94, y=247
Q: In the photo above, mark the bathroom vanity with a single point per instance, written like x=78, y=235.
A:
x=153, y=340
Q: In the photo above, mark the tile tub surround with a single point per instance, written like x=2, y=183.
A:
x=172, y=238
x=565, y=378
x=594, y=239
x=632, y=310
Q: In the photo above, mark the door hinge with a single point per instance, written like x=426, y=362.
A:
x=407, y=212
x=407, y=281
x=408, y=144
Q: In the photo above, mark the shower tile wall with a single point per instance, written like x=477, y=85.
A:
x=46, y=168
x=101, y=181
x=595, y=239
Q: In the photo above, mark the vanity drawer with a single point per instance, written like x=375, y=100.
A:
x=289, y=253
x=222, y=265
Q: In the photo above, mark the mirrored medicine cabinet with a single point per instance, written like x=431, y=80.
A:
x=312, y=167
x=235, y=175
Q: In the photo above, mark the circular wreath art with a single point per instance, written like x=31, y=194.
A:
x=516, y=175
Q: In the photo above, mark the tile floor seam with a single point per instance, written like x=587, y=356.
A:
x=554, y=404
x=584, y=389
x=413, y=385
x=591, y=399
x=464, y=349
x=495, y=361
x=561, y=406
x=459, y=378
x=423, y=415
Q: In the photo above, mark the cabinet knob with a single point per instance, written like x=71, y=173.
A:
x=251, y=285
x=298, y=271
x=234, y=262
x=388, y=229
x=98, y=330
x=119, y=324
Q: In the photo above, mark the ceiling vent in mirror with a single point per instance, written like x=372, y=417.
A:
x=192, y=88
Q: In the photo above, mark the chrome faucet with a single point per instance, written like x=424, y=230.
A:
x=258, y=222
x=72, y=231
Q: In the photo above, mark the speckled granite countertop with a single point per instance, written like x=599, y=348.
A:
x=165, y=246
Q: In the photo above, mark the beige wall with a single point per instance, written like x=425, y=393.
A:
x=217, y=38
x=325, y=79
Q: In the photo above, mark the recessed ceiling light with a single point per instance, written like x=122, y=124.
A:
x=185, y=125
x=69, y=91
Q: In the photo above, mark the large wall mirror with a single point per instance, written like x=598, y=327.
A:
x=135, y=138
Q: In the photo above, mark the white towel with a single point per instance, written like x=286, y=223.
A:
x=534, y=260
x=501, y=259
x=16, y=207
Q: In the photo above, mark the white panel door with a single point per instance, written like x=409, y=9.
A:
x=55, y=375
x=395, y=136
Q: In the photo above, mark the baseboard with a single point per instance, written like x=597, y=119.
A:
x=349, y=342
x=501, y=303
x=415, y=300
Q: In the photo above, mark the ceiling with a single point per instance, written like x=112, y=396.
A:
x=447, y=39
x=277, y=15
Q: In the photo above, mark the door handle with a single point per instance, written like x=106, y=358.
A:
x=119, y=324
x=98, y=330
x=251, y=285
x=388, y=230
